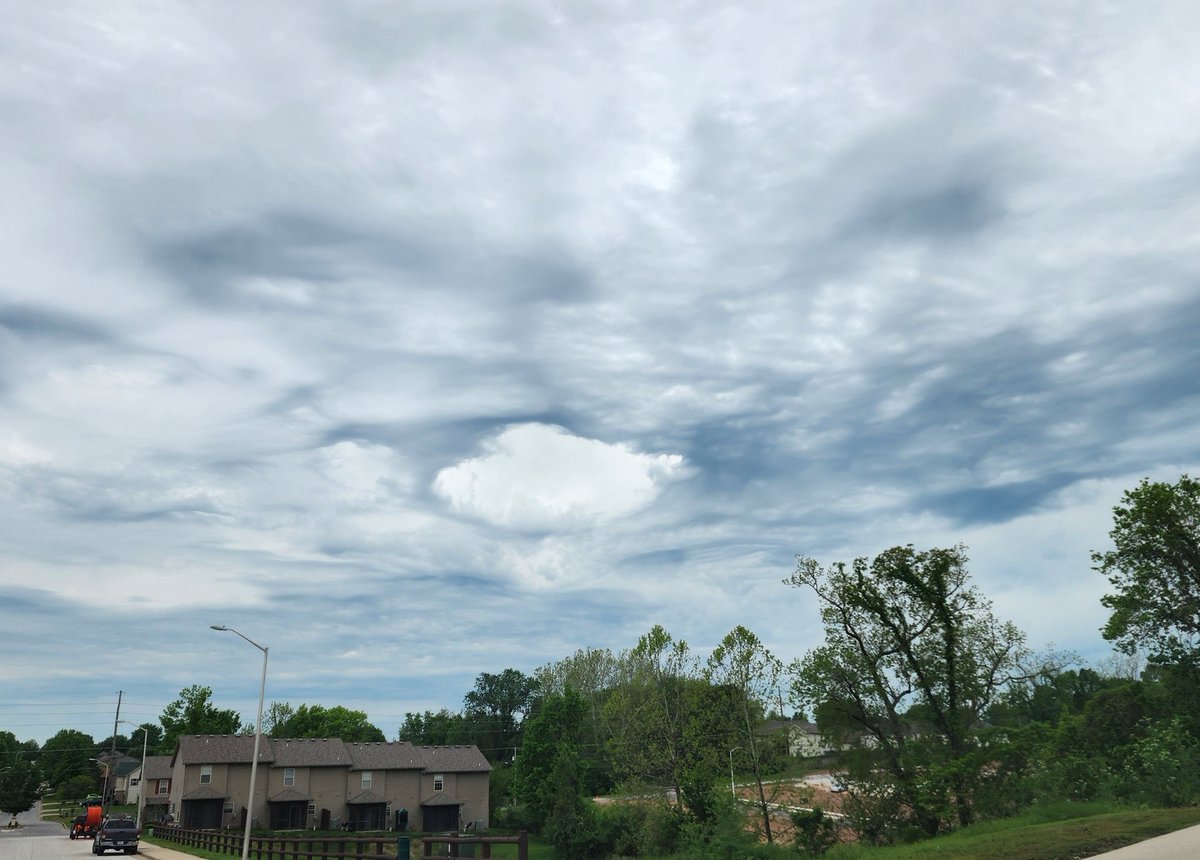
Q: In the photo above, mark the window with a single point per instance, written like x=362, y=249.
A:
x=134, y=781
x=164, y=786
x=205, y=774
x=439, y=781
x=228, y=808
x=289, y=776
x=312, y=810
x=366, y=779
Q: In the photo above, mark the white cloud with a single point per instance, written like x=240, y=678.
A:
x=534, y=476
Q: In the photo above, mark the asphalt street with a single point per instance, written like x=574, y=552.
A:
x=47, y=840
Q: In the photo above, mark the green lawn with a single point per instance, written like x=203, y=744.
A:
x=1059, y=833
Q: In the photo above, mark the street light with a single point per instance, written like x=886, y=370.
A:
x=104, y=789
x=732, y=787
x=262, y=689
x=142, y=782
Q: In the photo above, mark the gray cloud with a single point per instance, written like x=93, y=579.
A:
x=871, y=284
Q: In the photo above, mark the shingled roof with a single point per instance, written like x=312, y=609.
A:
x=221, y=749
x=455, y=759
x=310, y=752
x=385, y=755
x=157, y=767
x=328, y=752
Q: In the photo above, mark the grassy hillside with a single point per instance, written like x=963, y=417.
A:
x=1063, y=832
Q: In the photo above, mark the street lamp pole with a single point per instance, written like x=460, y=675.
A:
x=732, y=787
x=142, y=781
x=262, y=689
x=104, y=787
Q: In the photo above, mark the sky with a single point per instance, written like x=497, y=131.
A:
x=420, y=340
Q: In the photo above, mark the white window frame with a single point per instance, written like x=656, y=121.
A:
x=227, y=809
x=439, y=781
x=164, y=786
x=289, y=776
x=206, y=774
x=367, y=779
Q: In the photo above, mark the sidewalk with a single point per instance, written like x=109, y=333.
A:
x=159, y=852
x=1177, y=845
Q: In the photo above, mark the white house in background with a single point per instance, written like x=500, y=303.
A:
x=804, y=739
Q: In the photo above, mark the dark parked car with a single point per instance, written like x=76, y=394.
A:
x=117, y=834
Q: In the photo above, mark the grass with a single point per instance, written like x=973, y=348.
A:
x=1059, y=832
x=1055, y=832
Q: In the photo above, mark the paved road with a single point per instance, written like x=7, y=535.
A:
x=47, y=840
x=1180, y=845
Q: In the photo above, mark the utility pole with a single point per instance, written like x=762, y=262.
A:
x=112, y=754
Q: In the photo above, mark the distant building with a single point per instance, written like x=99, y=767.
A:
x=803, y=738
x=324, y=783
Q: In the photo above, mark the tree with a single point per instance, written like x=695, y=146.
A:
x=648, y=712
x=193, y=714
x=317, y=721
x=277, y=714
x=67, y=754
x=19, y=785
x=548, y=776
x=742, y=662
x=495, y=705
x=1155, y=569
x=436, y=728
x=912, y=658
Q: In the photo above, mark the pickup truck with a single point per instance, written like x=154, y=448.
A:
x=116, y=834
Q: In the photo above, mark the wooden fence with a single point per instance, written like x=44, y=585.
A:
x=337, y=847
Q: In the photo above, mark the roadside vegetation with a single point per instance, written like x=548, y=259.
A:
x=953, y=736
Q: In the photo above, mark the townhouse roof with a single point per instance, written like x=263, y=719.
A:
x=310, y=752
x=327, y=752
x=385, y=755
x=157, y=767
x=221, y=749
x=454, y=759
x=778, y=725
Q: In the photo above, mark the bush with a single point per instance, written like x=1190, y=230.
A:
x=816, y=832
x=1163, y=767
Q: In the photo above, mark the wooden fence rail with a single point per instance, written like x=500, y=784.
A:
x=336, y=847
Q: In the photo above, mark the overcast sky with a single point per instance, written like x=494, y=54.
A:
x=419, y=340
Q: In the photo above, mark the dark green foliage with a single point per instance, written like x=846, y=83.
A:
x=19, y=784
x=1155, y=569
x=549, y=759
x=317, y=721
x=816, y=832
x=193, y=714
x=913, y=658
x=67, y=754
x=75, y=789
x=497, y=707
x=437, y=728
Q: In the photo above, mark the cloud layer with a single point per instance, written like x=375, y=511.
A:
x=431, y=340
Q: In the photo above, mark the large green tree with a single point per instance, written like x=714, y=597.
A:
x=498, y=705
x=67, y=754
x=669, y=725
x=19, y=785
x=317, y=721
x=1154, y=568
x=913, y=656
x=193, y=714
x=437, y=728
x=743, y=663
